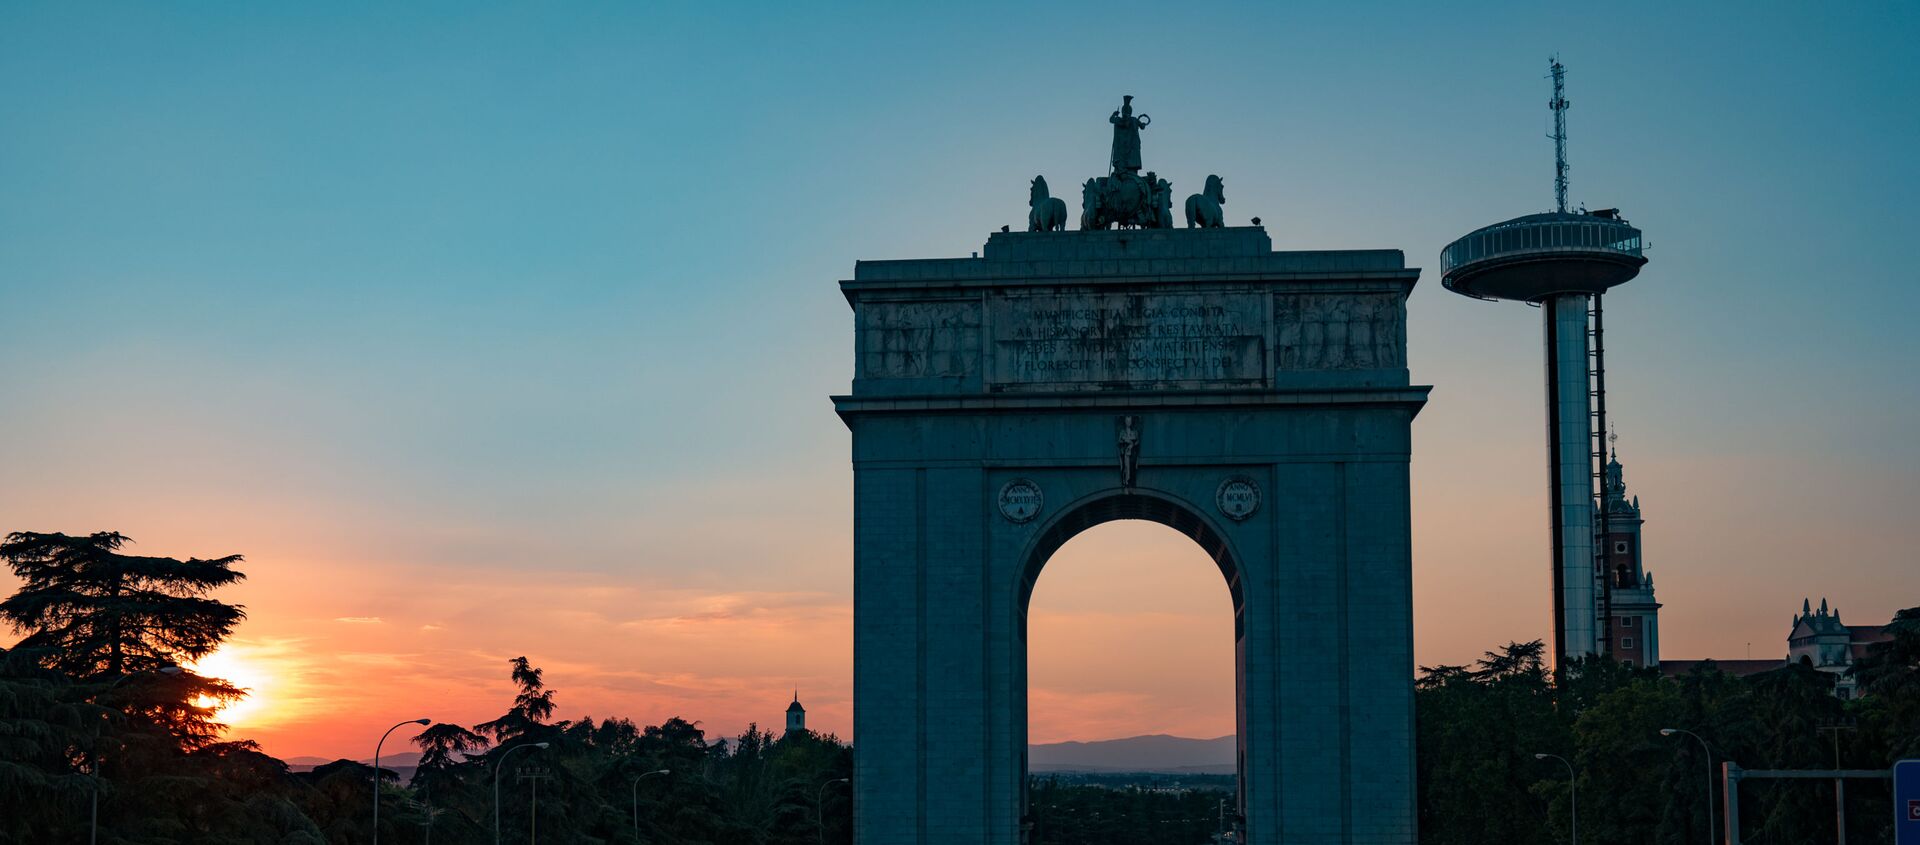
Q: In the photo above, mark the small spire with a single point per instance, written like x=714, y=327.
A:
x=1806, y=607
x=1823, y=605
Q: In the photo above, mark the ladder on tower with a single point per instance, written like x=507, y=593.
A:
x=1603, y=535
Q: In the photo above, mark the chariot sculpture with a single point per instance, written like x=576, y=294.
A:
x=1124, y=198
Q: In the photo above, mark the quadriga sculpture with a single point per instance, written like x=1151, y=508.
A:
x=1203, y=209
x=1048, y=213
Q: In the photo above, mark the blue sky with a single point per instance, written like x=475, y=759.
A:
x=394, y=295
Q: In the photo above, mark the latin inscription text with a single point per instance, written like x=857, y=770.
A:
x=1128, y=339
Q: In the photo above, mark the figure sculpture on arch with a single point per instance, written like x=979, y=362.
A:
x=1126, y=137
x=1123, y=197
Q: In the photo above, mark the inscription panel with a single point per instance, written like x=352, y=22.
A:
x=1128, y=340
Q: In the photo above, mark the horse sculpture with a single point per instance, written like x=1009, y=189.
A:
x=1049, y=213
x=1203, y=209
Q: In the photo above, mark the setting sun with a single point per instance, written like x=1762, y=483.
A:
x=241, y=672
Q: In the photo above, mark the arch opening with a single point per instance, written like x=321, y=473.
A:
x=1141, y=506
x=1131, y=640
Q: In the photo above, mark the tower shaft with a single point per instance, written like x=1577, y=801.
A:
x=1598, y=444
x=1570, y=471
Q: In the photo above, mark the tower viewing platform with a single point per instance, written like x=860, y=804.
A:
x=1533, y=257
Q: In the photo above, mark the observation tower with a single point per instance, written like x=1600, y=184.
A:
x=1562, y=262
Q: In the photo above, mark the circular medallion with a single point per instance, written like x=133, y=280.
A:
x=1238, y=497
x=1020, y=500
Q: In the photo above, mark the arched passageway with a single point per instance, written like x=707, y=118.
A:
x=1142, y=514
x=1130, y=634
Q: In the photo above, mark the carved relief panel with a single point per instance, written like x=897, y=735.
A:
x=920, y=339
x=1324, y=331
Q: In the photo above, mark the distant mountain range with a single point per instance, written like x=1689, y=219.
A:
x=1155, y=753
x=400, y=762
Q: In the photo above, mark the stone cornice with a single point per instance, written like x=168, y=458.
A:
x=1412, y=397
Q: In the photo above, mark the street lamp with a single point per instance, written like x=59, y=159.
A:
x=636, y=798
x=1709, y=750
x=496, y=785
x=376, y=773
x=93, y=814
x=1573, y=797
x=819, y=812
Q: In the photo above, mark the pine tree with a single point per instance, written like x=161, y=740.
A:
x=531, y=707
x=120, y=622
x=96, y=612
x=440, y=744
x=45, y=724
x=110, y=627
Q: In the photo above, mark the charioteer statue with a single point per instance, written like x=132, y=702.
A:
x=1126, y=137
x=1123, y=197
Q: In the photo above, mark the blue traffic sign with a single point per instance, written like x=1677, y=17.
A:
x=1906, y=802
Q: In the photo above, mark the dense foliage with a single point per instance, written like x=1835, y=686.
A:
x=1066, y=813
x=94, y=703
x=1480, y=727
x=588, y=783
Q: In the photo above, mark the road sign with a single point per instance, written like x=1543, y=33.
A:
x=1906, y=802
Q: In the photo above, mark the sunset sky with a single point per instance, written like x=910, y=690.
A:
x=496, y=330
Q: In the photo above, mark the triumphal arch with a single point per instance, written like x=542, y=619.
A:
x=1255, y=400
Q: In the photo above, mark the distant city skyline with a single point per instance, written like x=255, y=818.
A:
x=485, y=332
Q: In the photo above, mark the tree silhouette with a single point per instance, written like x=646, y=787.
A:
x=112, y=619
x=45, y=722
x=531, y=707
x=99, y=612
x=439, y=745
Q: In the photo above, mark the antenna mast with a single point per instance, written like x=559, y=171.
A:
x=1559, y=106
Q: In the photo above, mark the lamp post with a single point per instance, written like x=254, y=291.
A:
x=819, y=812
x=376, y=772
x=1839, y=784
x=1573, y=797
x=496, y=785
x=93, y=813
x=1709, y=750
x=636, y=798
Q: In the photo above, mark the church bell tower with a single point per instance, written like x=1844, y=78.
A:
x=1636, y=615
x=796, y=715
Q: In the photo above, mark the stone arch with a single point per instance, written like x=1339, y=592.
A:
x=1131, y=374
